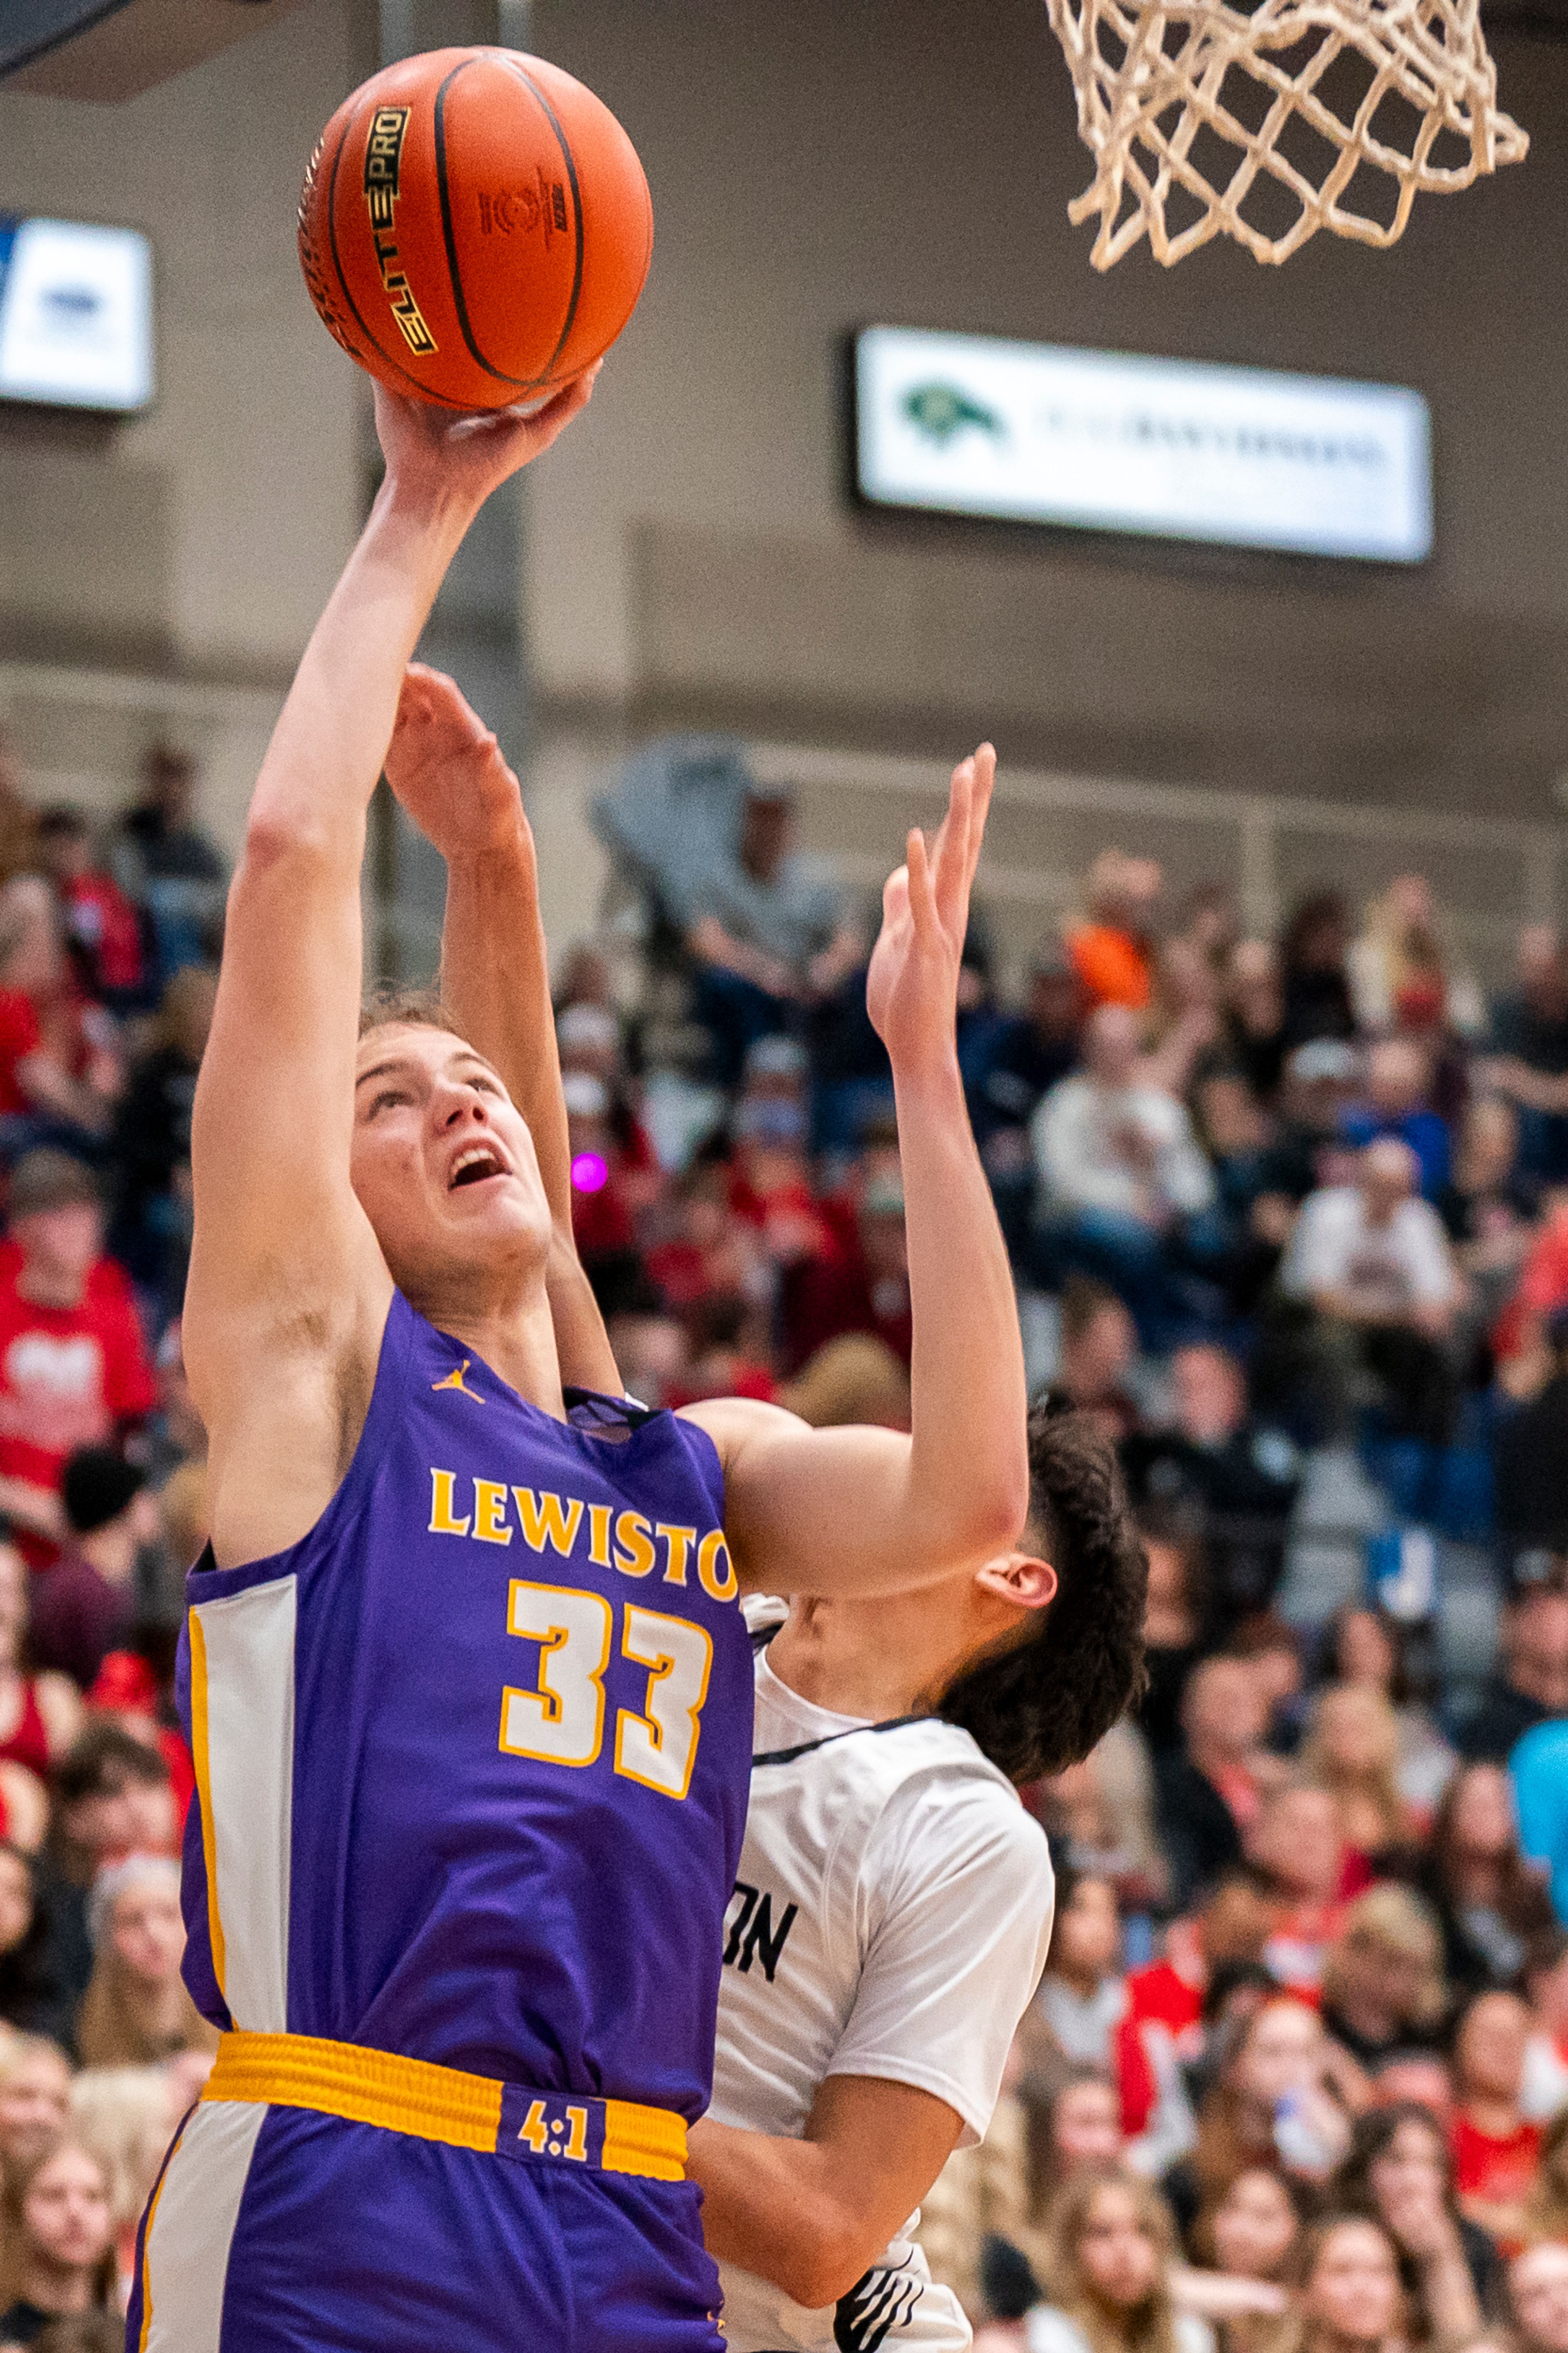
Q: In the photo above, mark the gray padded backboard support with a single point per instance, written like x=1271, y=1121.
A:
x=106, y=50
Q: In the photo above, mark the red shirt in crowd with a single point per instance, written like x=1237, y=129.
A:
x=1543, y=1287
x=822, y=1297
x=1501, y=2170
x=1137, y=2085
x=19, y=1037
x=182, y=1773
x=125, y=1689
x=734, y=1376
x=69, y=1376
x=766, y=1183
x=24, y=1029
x=601, y=1220
x=604, y=1219
x=102, y=920
x=1161, y=2002
x=1161, y=1995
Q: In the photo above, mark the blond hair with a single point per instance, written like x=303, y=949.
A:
x=1546, y=2206
x=390, y=1007
x=19, y=2180
x=1394, y=1920
x=121, y=2022
x=1377, y=1783
x=855, y=1378
x=19, y=2050
x=1301, y=2333
x=1148, y=2327
x=121, y=2114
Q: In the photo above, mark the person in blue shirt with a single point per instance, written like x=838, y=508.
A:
x=1539, y=1767
x=1399, y=1079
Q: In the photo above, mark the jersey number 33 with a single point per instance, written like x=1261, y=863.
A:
x=562, y=1720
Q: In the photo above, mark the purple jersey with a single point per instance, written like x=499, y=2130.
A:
x=473, y=1755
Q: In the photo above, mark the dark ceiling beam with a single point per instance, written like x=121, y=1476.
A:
x=111, y=49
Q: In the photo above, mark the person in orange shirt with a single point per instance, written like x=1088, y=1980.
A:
x=1109, y=950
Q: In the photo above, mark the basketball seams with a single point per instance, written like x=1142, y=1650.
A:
x=553, y=120
x=311, y=250
x=448, y=228
x=423, y=391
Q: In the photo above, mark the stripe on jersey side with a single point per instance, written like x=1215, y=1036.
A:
x=242, y=1714
x=146, y=2234
x=185, y=2268
x=199, y=1757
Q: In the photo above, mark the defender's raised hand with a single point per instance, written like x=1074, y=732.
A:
x=447, y=770
x=956, y=1490
x=911, y=988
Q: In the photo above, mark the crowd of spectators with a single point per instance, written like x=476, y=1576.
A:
x=109, y=938
x=1297, y=2073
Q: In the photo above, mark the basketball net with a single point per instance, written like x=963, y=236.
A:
x=1261, y=118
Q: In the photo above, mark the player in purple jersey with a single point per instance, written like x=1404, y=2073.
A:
x=897, y=1892
x=465, y=1672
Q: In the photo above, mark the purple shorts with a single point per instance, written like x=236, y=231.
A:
x=276, y=2230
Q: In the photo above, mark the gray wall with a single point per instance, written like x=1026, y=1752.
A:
x=204, y=537
x=814, y=166
x=690, y=555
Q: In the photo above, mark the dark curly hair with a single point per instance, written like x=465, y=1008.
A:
x=1041, y=1704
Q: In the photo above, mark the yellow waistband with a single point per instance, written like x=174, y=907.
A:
x=412, y=2095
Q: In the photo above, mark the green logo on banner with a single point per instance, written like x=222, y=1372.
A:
x=941, y=410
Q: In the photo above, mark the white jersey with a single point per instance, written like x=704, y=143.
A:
x=891, y=1919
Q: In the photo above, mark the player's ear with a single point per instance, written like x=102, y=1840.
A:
x=1019, y=1578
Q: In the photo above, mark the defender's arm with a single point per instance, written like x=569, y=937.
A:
x=868, y=1511
x=812, y=2215
x=448, y=771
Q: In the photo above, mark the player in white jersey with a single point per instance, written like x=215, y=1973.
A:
x=893, y=1908
x=888, y=1924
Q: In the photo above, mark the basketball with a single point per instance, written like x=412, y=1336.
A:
x=475, y=227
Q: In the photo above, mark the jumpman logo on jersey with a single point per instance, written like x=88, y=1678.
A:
x=456, y=1381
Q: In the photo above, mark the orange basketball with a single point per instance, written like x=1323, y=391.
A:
x=474, y=227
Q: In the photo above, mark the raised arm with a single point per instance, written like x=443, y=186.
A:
x=288, y=1289
x=867, y=1511
x=446, y=769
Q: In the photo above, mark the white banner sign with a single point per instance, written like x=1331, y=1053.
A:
x=1168, y=448
x=76, y=315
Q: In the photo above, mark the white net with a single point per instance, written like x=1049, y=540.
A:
x=1268, y=123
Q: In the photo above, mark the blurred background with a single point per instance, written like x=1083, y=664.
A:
x=1264, y=1027
x=691, y=560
